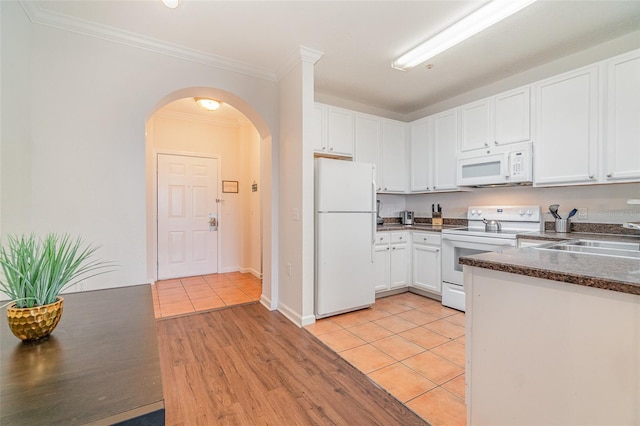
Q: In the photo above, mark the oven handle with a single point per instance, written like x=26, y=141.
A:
x=480, y=240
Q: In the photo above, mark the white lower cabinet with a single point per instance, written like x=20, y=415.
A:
x=407, y=258
x=426, y=261
x=382, y=262
x=392, y=260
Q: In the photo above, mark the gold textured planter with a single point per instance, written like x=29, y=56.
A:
x=34, y=323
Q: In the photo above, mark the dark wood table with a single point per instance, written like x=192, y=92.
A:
x=99, y=366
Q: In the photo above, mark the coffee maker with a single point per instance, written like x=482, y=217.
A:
x=406, y=217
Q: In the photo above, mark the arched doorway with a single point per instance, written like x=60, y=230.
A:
x=234, y=205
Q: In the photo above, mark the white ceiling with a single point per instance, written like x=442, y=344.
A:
x=359, y=39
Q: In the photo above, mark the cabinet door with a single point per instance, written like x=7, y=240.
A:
x=421, y=169
x=622, y=144
x=393, y=156
x=566, y=128
x=368, y=139
x=445, y=136
x=474, y=125
x=399, y=260
x=512, y=117
x=426, y=268
x=340, y=135
x=381, y=264
x=319, y=128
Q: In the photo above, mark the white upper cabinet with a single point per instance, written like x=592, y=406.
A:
x=333, y=129
x=340, y=132
x=622, y=138
x=319, y=128
x=421, y=151
x=566, y=137
x=368, y=140
x=474, y=125
x=499, y=120
x=512, y=116
x=445, y=142
x=394, y=151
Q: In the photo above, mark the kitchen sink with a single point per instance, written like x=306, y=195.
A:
x=601, y=248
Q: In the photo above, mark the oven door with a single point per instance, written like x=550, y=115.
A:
x=456, y=246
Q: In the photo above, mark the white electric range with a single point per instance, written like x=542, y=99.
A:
x=474, y=239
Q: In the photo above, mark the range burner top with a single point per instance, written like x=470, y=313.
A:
x=514, y=220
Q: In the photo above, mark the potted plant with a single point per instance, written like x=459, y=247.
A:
x=35, y=272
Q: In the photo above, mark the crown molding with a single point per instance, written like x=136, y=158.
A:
x=201, y=118
x=39, y=16
x=299, y=54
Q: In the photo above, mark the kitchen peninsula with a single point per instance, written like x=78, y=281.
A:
x=100, y=365
x=553, y=337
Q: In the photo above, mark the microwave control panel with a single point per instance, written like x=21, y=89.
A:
x=518, y=164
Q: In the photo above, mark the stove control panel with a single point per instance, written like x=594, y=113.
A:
x=505, y=213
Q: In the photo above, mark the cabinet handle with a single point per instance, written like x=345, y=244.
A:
x=495, y=142
x=590, y=176
x=394, y=248
x=330, y=149
x=387, y=248
x=324, y=148
x=400, y=237
x=486, y=144
x=609, y=175
x=385, y=188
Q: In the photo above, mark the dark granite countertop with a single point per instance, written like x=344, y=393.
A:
x=561, y=236
x=606, y=272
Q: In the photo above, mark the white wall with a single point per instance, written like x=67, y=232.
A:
x=251, y=232
x=73, y=141
x=237, y=148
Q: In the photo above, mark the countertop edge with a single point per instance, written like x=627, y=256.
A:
x=548, y=274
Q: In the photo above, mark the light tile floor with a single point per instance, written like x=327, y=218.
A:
x=410, y=345
x=202, y=293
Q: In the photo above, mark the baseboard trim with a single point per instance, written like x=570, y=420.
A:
x=251, y=271
x=290, y=314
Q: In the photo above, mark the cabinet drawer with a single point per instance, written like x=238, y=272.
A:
x=399, y=237
x=426, y=238
x=383, y=238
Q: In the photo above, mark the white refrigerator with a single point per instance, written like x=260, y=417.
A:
x=345, y=229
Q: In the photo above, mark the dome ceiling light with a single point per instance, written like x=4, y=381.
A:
x=171, y=4
x=208, y=104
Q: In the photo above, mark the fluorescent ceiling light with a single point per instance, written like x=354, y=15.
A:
x=208, y=104
x=487, y=15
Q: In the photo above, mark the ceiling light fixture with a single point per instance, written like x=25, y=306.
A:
x=208, y=104
x=490, y=14
x=171, y=4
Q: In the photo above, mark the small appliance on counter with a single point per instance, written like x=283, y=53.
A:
x=406, y=217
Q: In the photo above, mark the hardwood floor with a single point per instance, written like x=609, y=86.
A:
x=246, y=365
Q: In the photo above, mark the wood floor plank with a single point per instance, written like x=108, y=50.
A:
x=248, y=366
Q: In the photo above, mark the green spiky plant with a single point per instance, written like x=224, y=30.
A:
x=37, y=270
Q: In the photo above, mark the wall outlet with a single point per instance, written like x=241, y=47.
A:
x=82, y=286
x=289, y=269
x=295, y=213
x=583, y=214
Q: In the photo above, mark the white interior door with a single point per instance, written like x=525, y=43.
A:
x=187, y=192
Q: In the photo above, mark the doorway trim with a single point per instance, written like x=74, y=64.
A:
x=154, y=170
x=269, y=162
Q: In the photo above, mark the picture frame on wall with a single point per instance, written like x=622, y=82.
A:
x=230, y=186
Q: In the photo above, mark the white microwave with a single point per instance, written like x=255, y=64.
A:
x=502, y=165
